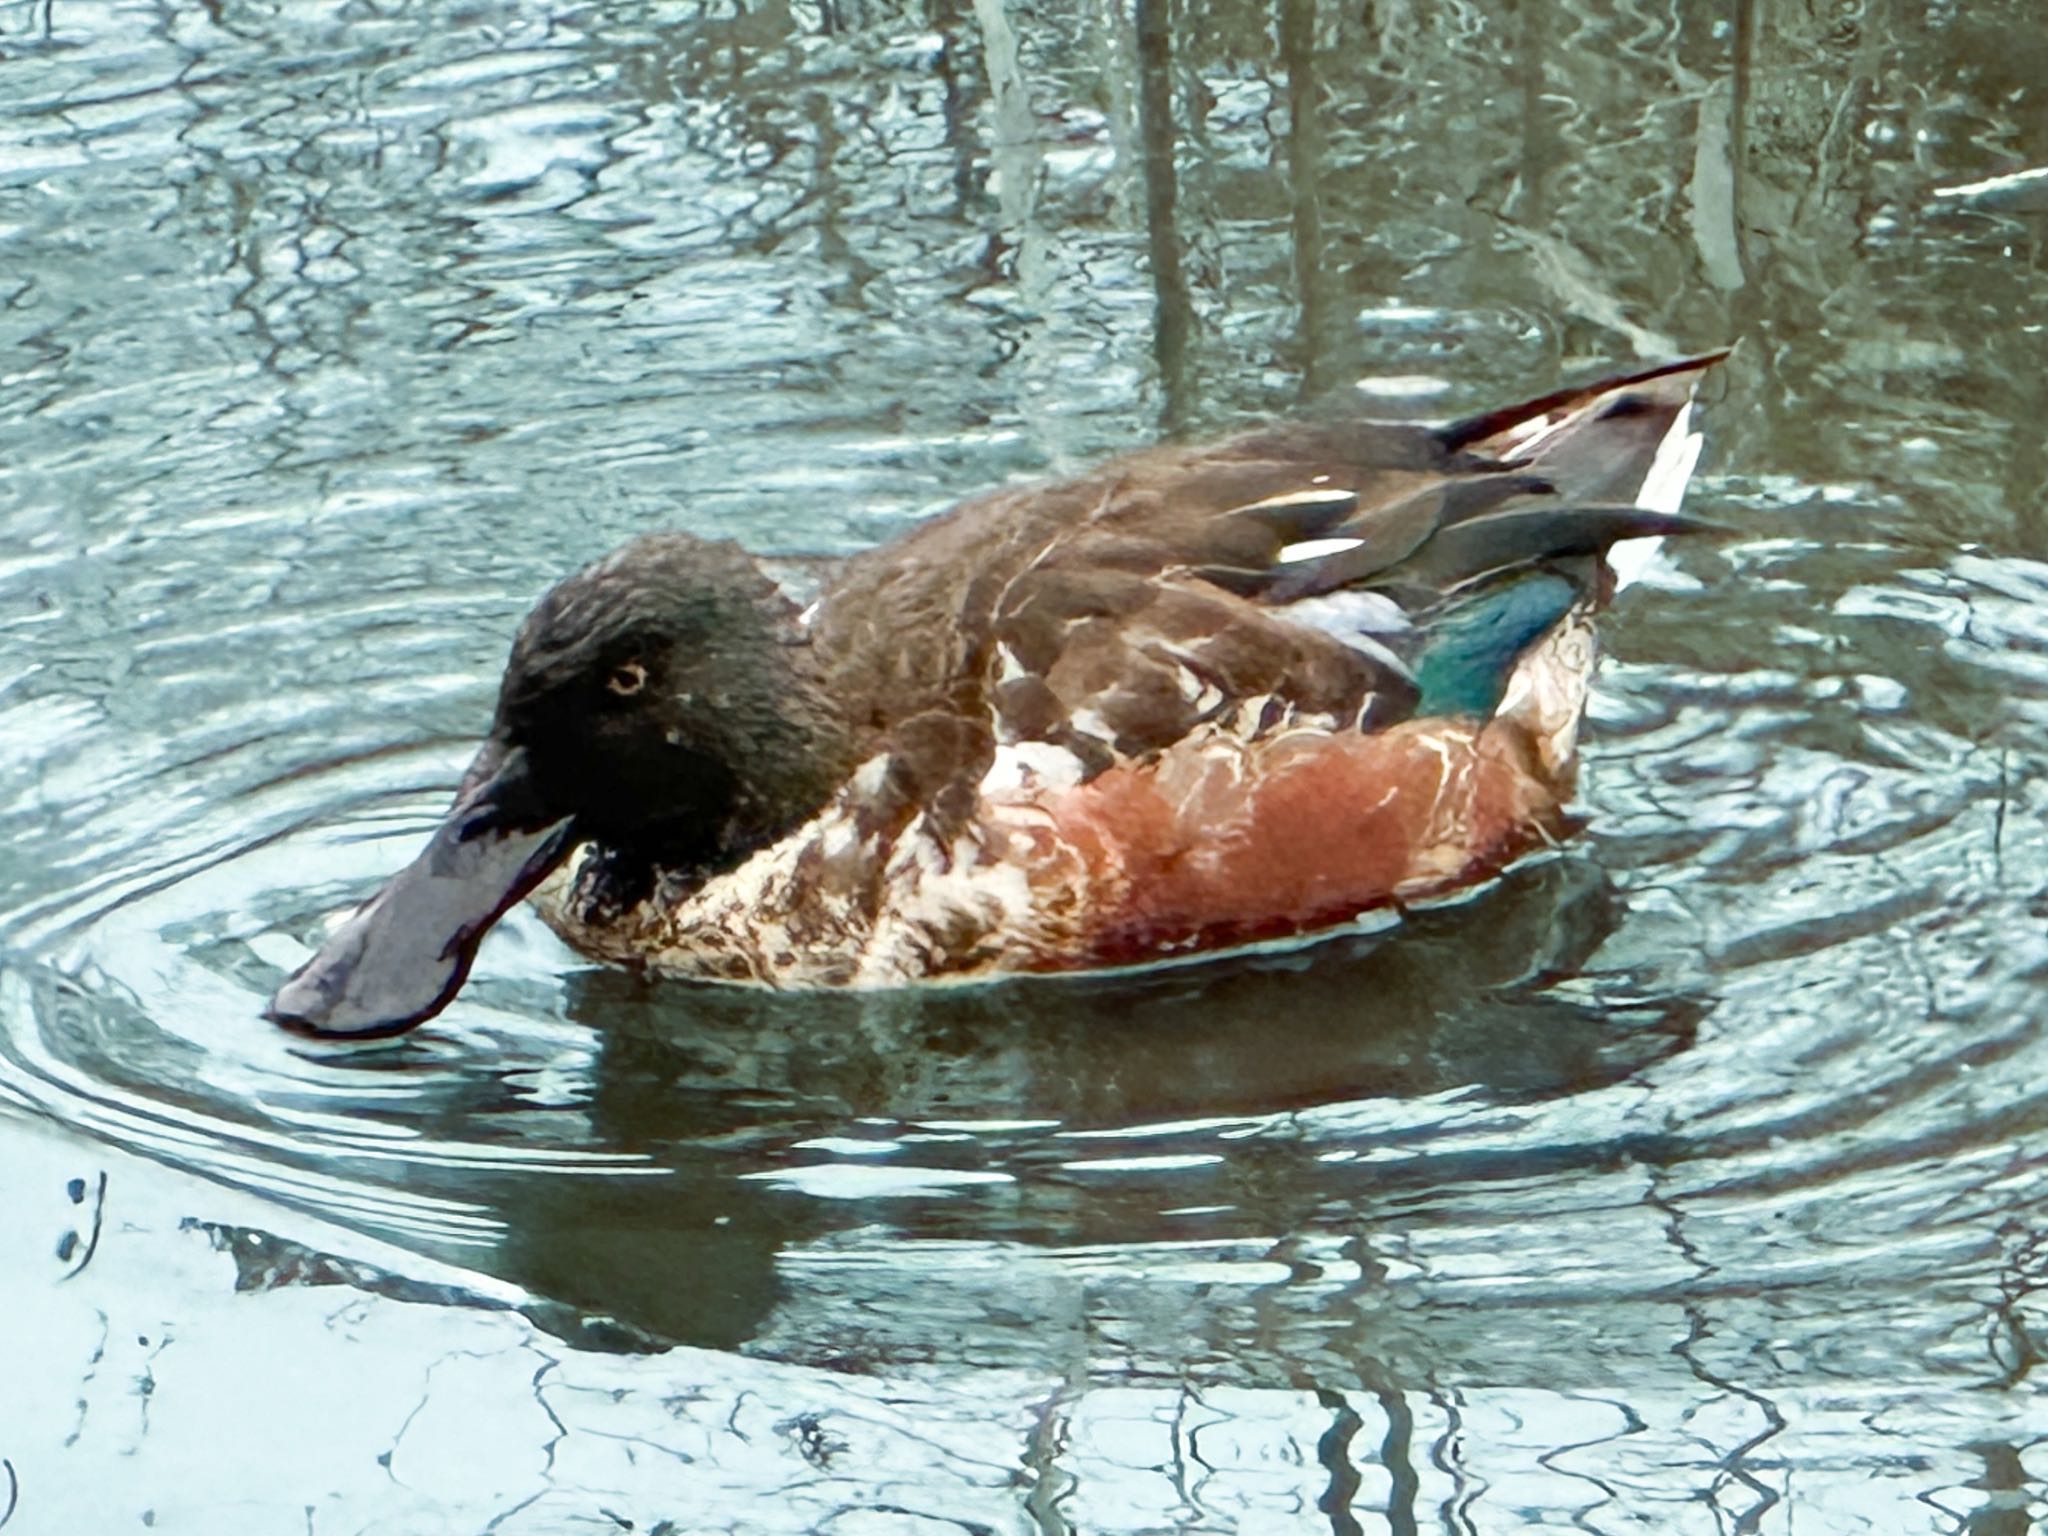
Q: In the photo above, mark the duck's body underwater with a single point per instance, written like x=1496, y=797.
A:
x=1198, y=697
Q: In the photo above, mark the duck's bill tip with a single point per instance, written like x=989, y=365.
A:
x=402, y=957
x=329, y=999
x=386, y=969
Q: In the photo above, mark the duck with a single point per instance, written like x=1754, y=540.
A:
x=1197, y=698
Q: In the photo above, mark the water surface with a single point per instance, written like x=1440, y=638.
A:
x=1685, y=1180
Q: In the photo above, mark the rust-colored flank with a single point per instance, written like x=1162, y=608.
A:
x=1242, y=842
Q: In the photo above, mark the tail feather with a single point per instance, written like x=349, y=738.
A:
x=1622, y=439
x=1521, y=536
x=1493, y=433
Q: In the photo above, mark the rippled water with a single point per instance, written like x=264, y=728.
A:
x=1686, y=1181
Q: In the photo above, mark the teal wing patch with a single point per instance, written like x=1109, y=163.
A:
x=1474, y=642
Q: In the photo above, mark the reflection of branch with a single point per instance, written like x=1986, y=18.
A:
x=1043, y=1448
x=1580, y=287
x=944, y=19
x=1015, y=150
x=1333, y=1451
x=1304, y=165
x=824, y=187
x=1174, y=315
x=1111, y=37
x=99, y=1211
x=1539, y=148
x=1837, y=141
x=1397, y=1452
x=1738, y=104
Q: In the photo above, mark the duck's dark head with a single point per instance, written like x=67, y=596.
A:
x=660, y=705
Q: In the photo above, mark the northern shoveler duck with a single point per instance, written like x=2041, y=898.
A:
x=1196, y=698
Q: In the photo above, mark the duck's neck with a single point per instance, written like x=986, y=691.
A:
x=766, y=755
x=788, y=756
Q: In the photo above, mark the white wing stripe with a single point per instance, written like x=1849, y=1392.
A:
x=1315, y=549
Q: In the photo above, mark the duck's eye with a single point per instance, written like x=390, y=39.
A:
x=627, y=679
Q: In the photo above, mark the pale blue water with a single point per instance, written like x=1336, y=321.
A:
x=1686, y=1181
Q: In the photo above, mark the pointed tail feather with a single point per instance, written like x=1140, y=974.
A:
x=1623, y=439
x=1493, y=433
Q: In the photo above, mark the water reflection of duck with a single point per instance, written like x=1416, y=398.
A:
x=1461, y=1001
x=1198, y=697
x=984, y=1083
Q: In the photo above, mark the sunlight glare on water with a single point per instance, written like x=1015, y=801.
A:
x=1682, y=1180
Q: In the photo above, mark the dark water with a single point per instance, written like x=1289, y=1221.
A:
x=1687, y=1181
